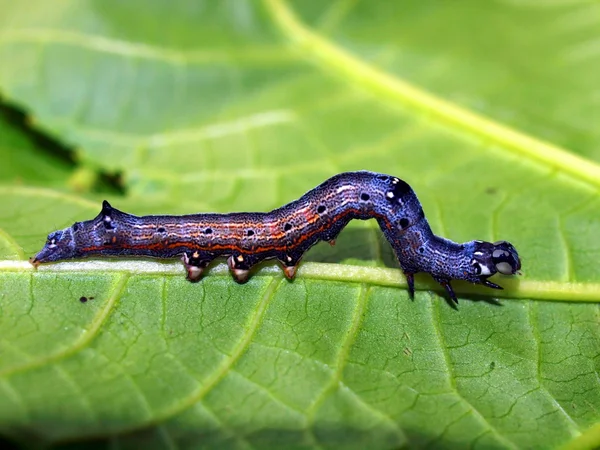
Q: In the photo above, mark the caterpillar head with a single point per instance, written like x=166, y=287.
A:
x=499, y=257
x=67, y=243
x=59, y=245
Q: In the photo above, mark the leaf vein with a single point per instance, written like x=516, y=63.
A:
x=568, y=257
x=388, y=87
x=12, y=244
x=79, y=343
x=113, y=46
x=532, y=319
x=15, y=396
x=336, y=381
x=436, y=319
x=80, y=394
x=223, y=426
x=270, y=394
x=375, y=276
x=226, y=364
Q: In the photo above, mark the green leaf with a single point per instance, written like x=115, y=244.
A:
x=26, y=161
x=225, y=106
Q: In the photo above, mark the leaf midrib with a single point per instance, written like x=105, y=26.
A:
x=515, y=288
x=332, y=58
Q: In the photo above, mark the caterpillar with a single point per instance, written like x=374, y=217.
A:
x=286, y=233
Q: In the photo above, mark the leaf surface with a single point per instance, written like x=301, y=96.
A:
x=25, y=160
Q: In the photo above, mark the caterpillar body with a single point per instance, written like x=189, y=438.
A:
x=286, y=233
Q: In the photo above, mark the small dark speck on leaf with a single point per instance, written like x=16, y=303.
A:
x=491, y=190
x=83, y=299
x=492, y=365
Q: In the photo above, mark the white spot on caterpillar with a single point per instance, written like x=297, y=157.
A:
x=480, y=269
x=500, y=253
x=504, y=268
x=341, y=189
x=390, y=194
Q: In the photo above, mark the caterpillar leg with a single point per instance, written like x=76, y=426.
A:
x=410, y=280
x=446, y=284
x=194, y=265
x=289, y=271
x=239, y=268
x=490, y=284
x=333, y=233
x=289, y=265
